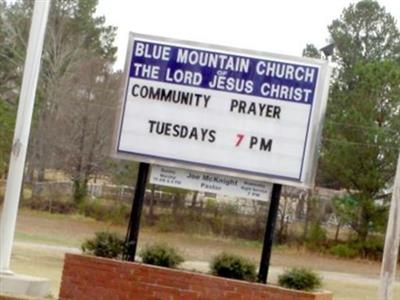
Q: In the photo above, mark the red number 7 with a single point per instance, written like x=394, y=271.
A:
x=239, y=139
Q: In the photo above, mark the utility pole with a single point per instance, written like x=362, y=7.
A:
x=21, y=134
x=392, y=243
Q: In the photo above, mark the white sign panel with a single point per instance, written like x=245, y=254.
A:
x=211, y=183
x=228, y=111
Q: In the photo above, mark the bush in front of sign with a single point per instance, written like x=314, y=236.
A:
x=105, y=244
x=300, y=279
x=233, y=266
x=160, y=254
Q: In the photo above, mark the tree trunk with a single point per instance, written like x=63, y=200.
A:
x=151, y=205
x=300, y=207
x=29, y=172
x=363, y=225
x=282, y=222
x=176, y=204
x=41, y=173
x=80, y=190
x=194, y=199
x=338, y=230
x=201, y=207
x=308, y=215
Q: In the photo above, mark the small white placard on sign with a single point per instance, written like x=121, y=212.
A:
x=211, y=183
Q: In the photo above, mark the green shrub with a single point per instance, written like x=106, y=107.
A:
x=370, y=249
x=317, y=234
x=229, y=209
x=161, y=255
x=198, y=227
x=93, y=209
x=104, y=210
x=211, y=206
x=167, y=223
x=105, y=244
x=343, y=250
x=59, y=205
x=233, y=266
x=119, y=214
x=316, y=238
x=300, y=279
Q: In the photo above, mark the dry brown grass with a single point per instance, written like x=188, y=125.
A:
x=43, y=228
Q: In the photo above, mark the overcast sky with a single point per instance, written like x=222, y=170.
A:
x=279, y=26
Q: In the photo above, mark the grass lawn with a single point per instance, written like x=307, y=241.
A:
x=40, y=263
x=349, y=291
x=71, y=231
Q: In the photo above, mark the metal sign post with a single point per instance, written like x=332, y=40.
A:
x=136, y=212
x=22, y=130
x=269, y=233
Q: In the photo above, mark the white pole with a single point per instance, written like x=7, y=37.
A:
x=392, y=242
x=21, y=134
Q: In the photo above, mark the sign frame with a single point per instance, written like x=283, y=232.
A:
x=313, y=133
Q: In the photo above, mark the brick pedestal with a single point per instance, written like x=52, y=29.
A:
x=93, y=278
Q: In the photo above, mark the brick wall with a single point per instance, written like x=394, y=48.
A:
x=92, y=278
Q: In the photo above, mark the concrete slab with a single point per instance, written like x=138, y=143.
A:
x=9, y=297
x=15, y=284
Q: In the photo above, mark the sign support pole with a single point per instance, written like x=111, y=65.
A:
x=21, y=135
x=392, y=242
x=136, y=212
x=269, y=233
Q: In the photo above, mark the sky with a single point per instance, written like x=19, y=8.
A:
x=276, y=26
